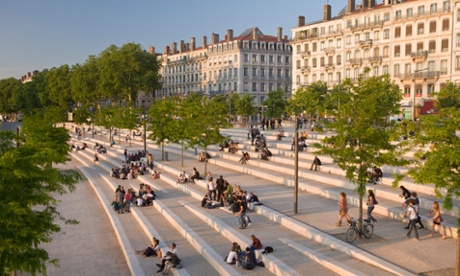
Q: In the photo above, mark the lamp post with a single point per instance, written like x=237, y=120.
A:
x=296, y=164
x=144, y=119
x=413, y=94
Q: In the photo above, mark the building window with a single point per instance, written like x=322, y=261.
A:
x=406, y=91
x=254, y=86
x=386, y=50
x=430, y=89
x=445, y=24
x=432, y=26
x=409, y=30
x=457, y=63
x=279, y=73
x=246, y=58
x=445, y=45
x=419, y=47
x=433, y=8
x=246, y=72
x=262, y=86
x=418, y=90
x=432, y=46
x=245, y=86
x=409, y=13
x=298, y=49
x=375, y=71
x=314, y=46
x=254, y=72
x=287, y=73
x=396, y=71
x=420, y=28
x=397, y=15
x=408, y=49
x=421, y=10
x=278, y=59
x=262, y=58
x=397, y=32
x=339, y=60
x=397, y=51
x=298, y=64
x=385, y=70
x=444, y=66
x=446, y=6
x=356, y=38
x=286, y=59
x=313, y=63
x=270, y=72
x=377, y=35
x=270, y=58
x=262, y=72
x=407, y=68
x=386, y=16
x=321, y=63
x=386, y=34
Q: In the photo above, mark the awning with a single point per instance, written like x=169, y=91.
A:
x=428, y=108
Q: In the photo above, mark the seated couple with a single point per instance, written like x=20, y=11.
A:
x=245, y=158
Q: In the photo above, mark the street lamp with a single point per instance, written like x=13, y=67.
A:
x=413, y=94
x=296, y=164
x=144, y=119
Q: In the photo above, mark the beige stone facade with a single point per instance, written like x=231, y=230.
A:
x=251, y=63
x=417, y=42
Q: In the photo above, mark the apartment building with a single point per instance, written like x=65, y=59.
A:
x=251, y=63
x=416, y=42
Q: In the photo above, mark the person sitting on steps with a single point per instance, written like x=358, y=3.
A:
x=316, y=162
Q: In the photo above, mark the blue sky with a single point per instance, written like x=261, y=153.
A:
x=35, y=35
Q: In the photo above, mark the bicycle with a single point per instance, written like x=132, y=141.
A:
x=353, y=231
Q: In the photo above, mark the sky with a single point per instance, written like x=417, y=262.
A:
x=37, y=35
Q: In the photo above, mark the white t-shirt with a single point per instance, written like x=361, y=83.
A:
x=412, y=212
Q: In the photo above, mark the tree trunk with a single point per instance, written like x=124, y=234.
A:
x=457, y=262
x=163, y=151
x=360, y=221
x=205, y=160
x=182, y=153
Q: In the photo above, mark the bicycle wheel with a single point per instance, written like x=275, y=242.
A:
x=368, y=230
x=351, y=235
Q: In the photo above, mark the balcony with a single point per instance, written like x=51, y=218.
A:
x=329, y=67
x=375, y=60
x=305, y=69
x=329, y=50
x=369, y=25
x=356, y=61
x=366, y=44
x=305, y=54
x=420, y=55
x=423, y=75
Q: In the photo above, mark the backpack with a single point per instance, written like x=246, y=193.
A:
x=267, y=250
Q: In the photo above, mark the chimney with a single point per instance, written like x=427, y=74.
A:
x=229, y=35
x=285, y=37
x=254, y=33
x=280, y=33
x=327, y=13
x=192, y=44
x=29, y=74
x=152, y=50
x=204, y=42
x=167, y=50
x=300, y=21
x=214, y=38
x=174, y=48
x=371, y=3
x=365, y=4
x=351, y=6
x=181, y=46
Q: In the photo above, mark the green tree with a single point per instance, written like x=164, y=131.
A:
x=28, y=184
x=29, y=98
x=162, y=126
x=10, y=89
x=84, y=83
x=441, y=166
x=275, y=103
x=209, y=117
x=126, y=71
x=362, y=138
x=58, y=86
x=245, y=106
x=311, y=100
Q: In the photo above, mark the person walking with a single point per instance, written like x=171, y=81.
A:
x=211, y=189
x=411, y=212
x=437, y=219
x=371, y=201
x=343, y=211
